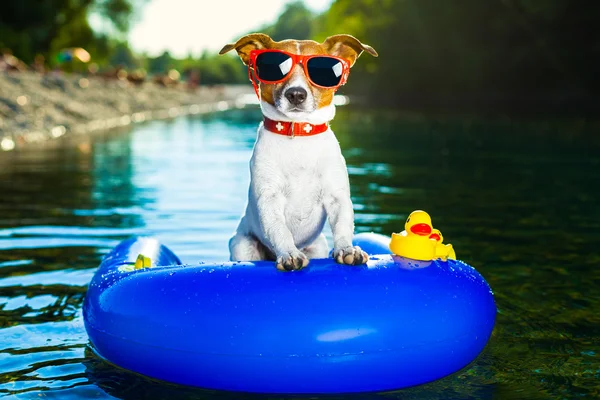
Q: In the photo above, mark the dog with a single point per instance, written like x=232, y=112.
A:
x=298, y=175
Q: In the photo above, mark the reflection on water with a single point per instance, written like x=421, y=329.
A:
x=517, y=199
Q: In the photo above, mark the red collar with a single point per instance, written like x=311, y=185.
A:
x=294, y=128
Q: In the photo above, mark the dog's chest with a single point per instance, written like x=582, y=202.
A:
x=293, y=165
x=295, y=175
x=303, y=189
x=302, y=182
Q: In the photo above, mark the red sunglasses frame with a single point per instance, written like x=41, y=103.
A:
x=296, y=58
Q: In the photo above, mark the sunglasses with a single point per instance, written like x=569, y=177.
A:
x=275, y=66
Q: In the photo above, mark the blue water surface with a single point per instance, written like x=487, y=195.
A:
x=517, y=198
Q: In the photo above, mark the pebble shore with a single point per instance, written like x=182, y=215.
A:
x=36, y=109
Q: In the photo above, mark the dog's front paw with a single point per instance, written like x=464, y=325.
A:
x=350, y=256
x=292, y=261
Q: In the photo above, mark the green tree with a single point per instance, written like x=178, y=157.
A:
x=30, y=27
x=295, y=22
x=122, y=55
x=508, y=53
x=160, y=64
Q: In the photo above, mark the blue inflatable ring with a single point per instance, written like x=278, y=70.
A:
x=328, y=328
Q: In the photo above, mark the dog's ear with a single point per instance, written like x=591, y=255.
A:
x=347, y=47
x=246, y=44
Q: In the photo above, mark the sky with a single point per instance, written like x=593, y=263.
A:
x=184, y=26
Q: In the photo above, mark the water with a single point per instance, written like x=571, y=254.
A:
x=519, y=200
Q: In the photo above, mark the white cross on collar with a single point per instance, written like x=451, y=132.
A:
x=307, y=128
x=279, y=126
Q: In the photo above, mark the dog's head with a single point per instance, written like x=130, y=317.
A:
x=296, y=97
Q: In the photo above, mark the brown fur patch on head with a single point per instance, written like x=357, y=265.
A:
x=325, y=97
x=266, y=92
x=246, y=44
x=347, y=47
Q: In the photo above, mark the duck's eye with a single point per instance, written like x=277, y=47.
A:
x=407, y=220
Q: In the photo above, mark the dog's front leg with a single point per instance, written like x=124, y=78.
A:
x=338, y=207
x=270, y=207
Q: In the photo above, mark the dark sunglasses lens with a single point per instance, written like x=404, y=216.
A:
x=273, y=66
x=325, y=71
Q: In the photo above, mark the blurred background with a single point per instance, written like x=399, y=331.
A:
x=118, y=118
x=510, y=55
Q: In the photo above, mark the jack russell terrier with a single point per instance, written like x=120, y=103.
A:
x=298, y=176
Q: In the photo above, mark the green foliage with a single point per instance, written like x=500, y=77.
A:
x=440, y=53
x=160, y=64
x=76, y=32
x=216, y=69
x=296, y=22
x=122, y=55
x=443, y=53
x=31, y=27
x=118, y=12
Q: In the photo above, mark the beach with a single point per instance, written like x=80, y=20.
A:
x=37, y=109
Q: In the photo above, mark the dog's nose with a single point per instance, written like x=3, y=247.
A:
x=296, y=95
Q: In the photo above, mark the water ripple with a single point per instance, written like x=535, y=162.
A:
x=525, y=216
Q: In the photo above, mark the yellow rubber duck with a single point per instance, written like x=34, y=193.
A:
x=414, y=241
x=140, y=262
x=443, y=251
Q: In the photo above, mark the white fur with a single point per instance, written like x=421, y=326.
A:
x=305, y=112
x=319, y=116
x=296, y=184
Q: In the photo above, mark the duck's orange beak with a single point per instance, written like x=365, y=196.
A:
x=421, y=229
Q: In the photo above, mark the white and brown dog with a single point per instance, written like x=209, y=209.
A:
x=298, y=176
